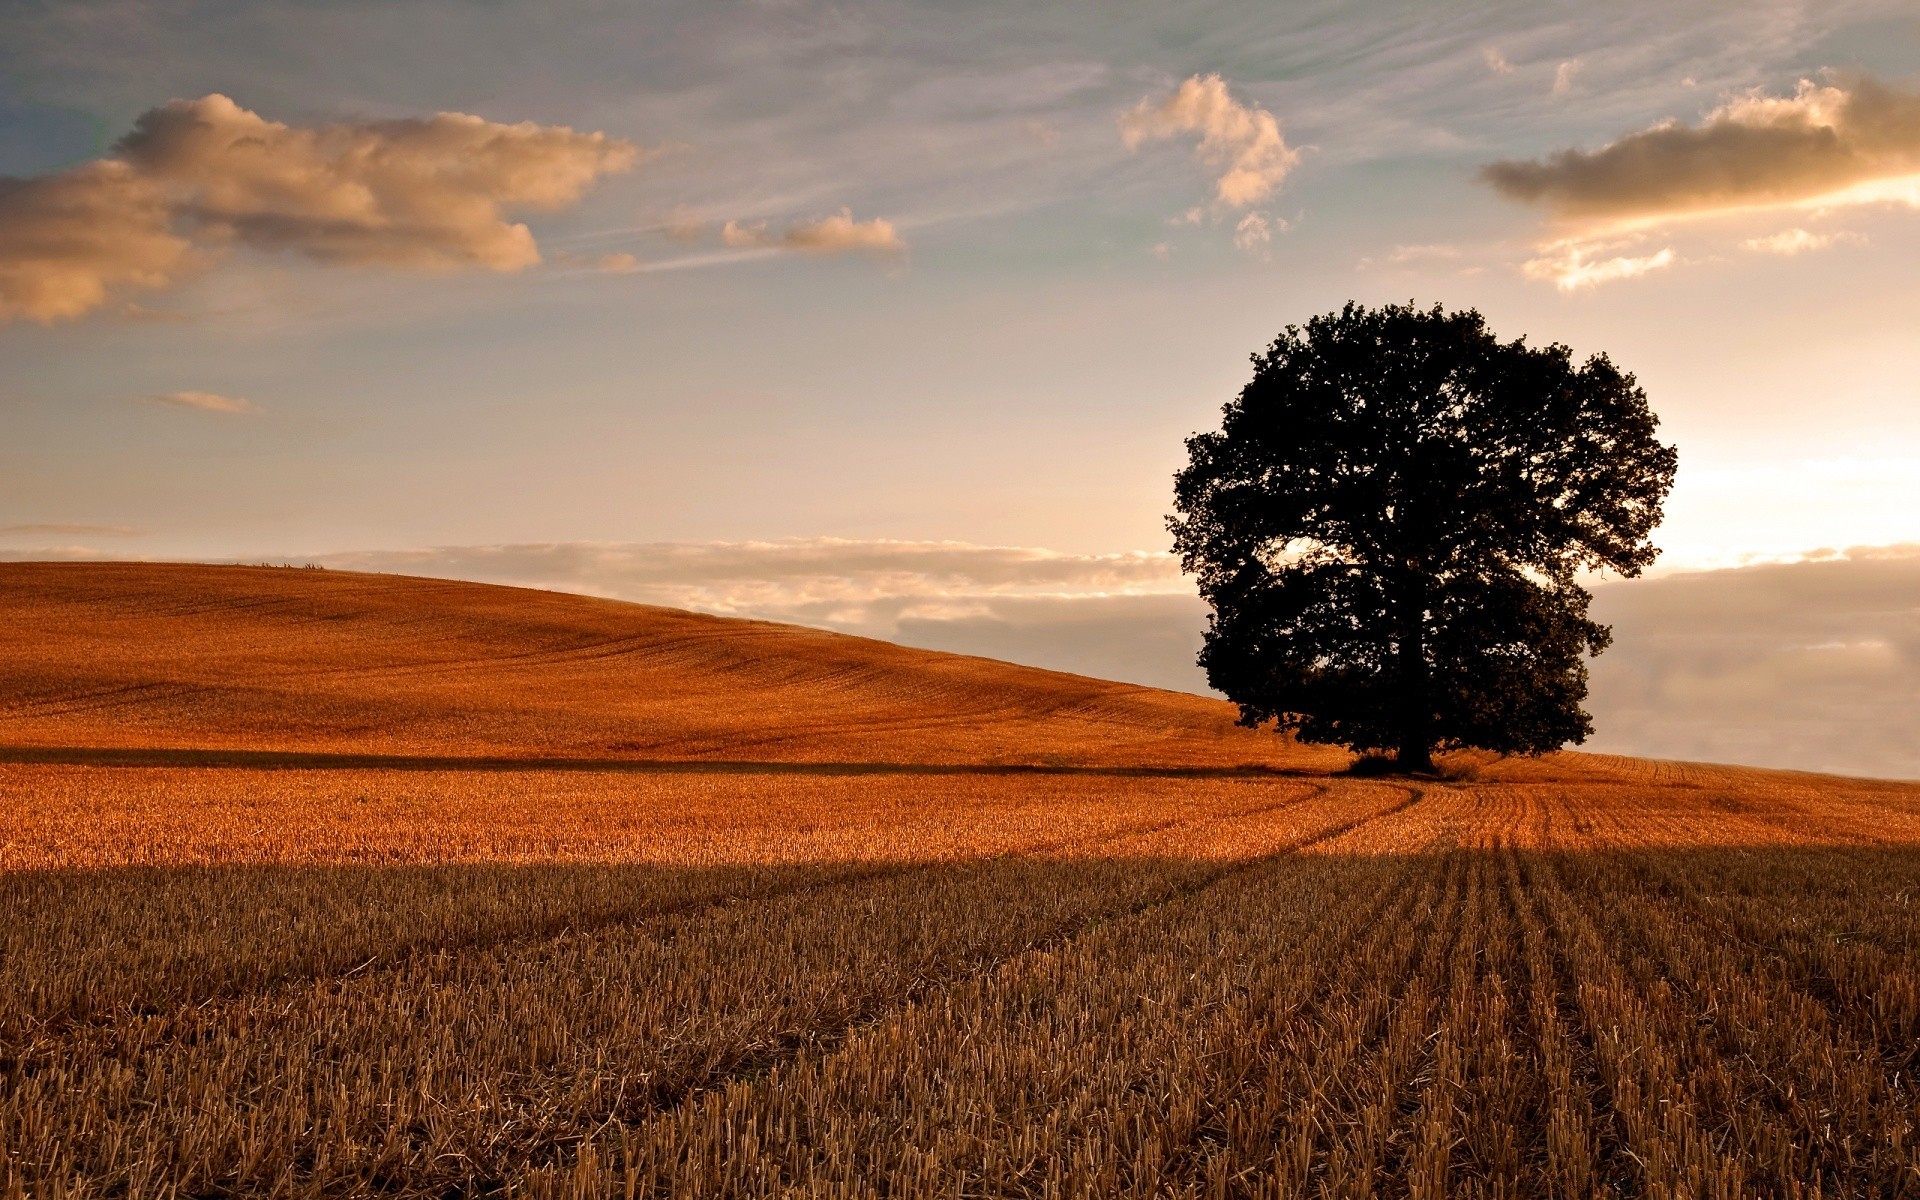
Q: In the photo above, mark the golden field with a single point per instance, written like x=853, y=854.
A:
x=339, y=885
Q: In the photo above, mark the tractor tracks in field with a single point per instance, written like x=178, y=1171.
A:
x=761, y=884
x=664, y=1104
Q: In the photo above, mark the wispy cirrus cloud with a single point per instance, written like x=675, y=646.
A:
x=197, y=176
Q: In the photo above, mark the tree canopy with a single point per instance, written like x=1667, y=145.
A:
x=1390, y=526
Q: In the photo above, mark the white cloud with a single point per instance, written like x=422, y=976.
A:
x=1496, y=61
x=196, y=176
x=1796, y=241
x=1563, y=76
x=1572, y=266
x=205, y=401
x=1241, y=142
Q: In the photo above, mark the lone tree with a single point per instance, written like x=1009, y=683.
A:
x=1390, y=524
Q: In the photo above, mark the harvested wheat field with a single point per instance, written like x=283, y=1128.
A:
x=336, y=885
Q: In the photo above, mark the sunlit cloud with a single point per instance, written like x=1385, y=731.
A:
x=617, y=264
x=197, y=176
x=837, y=234
x=1254, y=233
x=1798, y=241
x=1496, y=61
x=69, y=241
x=1571, y=266
x=1563, y=76
x=1824, y=148
x=1241, y=142
x=204, y=401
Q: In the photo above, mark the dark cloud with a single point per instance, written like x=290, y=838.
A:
x=1754, y=151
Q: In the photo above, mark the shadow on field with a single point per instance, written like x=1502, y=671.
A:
x=86, y=944
x=302, y=1028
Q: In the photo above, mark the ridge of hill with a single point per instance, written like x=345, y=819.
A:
x=159, y=656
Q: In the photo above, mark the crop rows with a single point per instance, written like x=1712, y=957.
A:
x=1504, y=986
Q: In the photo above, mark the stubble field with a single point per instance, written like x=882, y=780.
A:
x=1068, y=939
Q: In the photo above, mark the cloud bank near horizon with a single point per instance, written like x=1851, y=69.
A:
x=195, y=177
x=1812, y=664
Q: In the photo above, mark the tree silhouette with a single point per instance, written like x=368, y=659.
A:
x=1390, y=524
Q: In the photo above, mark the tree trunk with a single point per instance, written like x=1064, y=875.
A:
x=1416, y=686
x=1415, y=756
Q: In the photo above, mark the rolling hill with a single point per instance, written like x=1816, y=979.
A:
x=189, y=657
x=323, y=884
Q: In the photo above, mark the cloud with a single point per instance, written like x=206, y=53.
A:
x=1254, y=234
x=197, y=176
x=1118, y=616
x=617, y=264
x=853, y=582
x=837, y=234
x=1823, y=146
x=69, y=529
x=1563, y=76
x=1571, y=266
x=204, y=401
x=1496, y=61
x=685, y=225
x=1812, y=664
x=1242, y=142
x=69, y=240
x=1040, y=131
x=1797, y=241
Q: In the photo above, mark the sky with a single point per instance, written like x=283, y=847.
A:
x=893, y=317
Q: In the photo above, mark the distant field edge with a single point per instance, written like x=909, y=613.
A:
x=303, y=760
